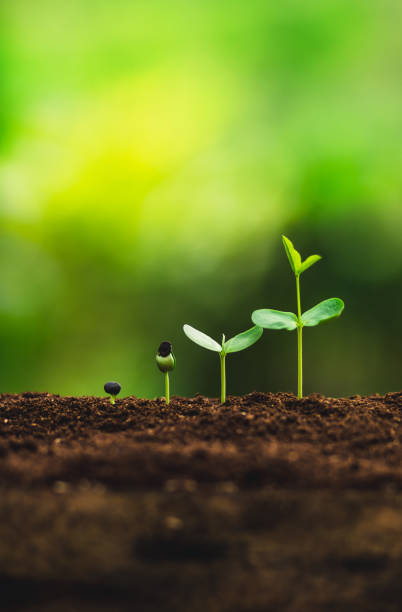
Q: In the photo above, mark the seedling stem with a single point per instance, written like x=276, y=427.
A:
x=223, y=377
x=299, y=342
x=167, y=388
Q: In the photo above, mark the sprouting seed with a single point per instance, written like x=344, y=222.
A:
x=277, y=319
x=235, y=344
x=166, y=362
x=113, y=389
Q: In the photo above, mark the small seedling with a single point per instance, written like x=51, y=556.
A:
x=277, y=319
x=166, y=362
x=235, y=344
x=113, y=388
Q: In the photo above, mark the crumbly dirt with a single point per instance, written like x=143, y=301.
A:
x=265, y=503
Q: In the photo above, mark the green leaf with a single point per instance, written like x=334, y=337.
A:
x=166, y=364
x=328, y=309
x=274, y=319
x=293, y=255
x=243, y=340
x=201, y=339
x=307, y=263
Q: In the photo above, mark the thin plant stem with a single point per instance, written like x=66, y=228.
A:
x=300, y=363
x=299, y=342
x=112, y=400
x=167, y=388
x=223, y=377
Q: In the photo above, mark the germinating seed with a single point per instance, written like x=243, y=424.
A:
x=166, y=362
x=113, y=389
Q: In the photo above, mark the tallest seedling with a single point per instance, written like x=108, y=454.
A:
x=276, y=319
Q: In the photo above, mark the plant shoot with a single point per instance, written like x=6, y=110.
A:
x=235, y=344
x=277, y=319
x=166, y=362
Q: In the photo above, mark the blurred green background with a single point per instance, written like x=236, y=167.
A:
x=151, y=155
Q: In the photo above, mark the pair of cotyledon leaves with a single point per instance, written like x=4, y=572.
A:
x=278, y=319
x=235, y=344
x=273, y=319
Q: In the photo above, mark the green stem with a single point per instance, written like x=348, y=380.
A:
x=112, y=399
x=167, y=388
x=223, y=377
x=300, y=363
x=299, y=342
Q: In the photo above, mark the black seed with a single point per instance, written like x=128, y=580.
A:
x=165, y=349
x=113, y=388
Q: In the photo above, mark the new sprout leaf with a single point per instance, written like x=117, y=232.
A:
x=307, y=263
x=293, y=255
x=166, y=364
x=201, y=339
x=274, y=319
x=243, y=340
x=328, y=309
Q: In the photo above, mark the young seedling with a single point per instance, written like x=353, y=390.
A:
x=166, y=362
x=277, y=319
x=235, y=344
x=113, y=388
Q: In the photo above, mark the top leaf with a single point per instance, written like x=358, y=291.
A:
x=243, y=340
x=307, y=263
x=328, y=309
x=295, y=261
x=201, y=339
x=293, y=255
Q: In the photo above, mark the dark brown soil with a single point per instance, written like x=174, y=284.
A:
x=265, y=503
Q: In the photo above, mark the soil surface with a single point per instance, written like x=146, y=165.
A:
x=265, y=503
